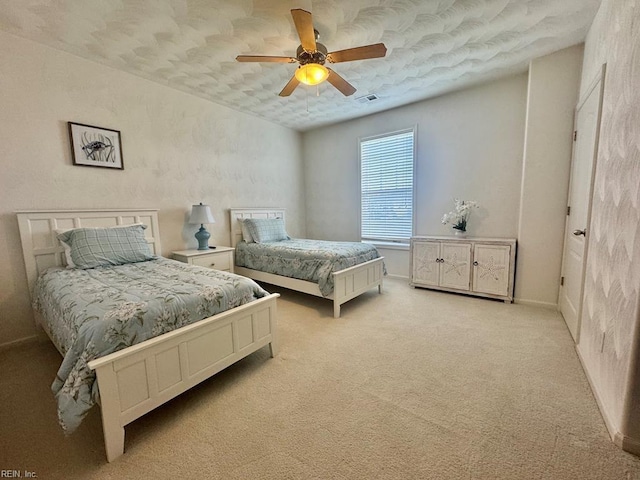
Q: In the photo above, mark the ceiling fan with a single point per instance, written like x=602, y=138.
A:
x=312, y=55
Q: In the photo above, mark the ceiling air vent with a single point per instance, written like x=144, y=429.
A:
x=367, y=98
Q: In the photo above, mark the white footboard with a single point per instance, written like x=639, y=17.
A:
x=136, y=380
x=348, y=283
x=353, y=281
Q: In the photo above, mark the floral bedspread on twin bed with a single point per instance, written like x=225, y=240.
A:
x=94, y=312
x=310, y=260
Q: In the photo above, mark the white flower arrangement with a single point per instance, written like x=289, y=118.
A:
x=458, y=217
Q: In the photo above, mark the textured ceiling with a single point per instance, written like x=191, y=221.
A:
x=434, y=46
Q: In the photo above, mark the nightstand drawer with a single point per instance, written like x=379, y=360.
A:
x=221, y=261
x=220, y=258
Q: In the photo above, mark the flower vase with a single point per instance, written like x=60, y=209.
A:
x=460, y=233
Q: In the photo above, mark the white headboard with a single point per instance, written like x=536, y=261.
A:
x=242, y=213
x=41, y=248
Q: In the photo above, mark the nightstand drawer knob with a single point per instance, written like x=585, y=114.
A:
x=213, y=264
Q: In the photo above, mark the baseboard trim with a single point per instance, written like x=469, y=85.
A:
x=19, y=342
x=616, y=437
x=536, y=303
x=393, y=275
x=628, y=444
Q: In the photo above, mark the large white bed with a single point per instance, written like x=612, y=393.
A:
x=348, y=283
x=139, y=378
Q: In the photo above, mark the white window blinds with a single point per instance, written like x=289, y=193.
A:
x=386, y=186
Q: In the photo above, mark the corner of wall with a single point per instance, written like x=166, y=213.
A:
x=552, y=92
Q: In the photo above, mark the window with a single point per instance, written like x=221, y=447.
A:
x=386, y=186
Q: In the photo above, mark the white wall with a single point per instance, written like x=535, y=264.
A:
x=610, y=329
x=469, y=144
x=554, y=81
x=178, y=150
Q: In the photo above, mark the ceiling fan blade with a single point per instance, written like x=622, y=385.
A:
x=289, y=87
x=376, y=50
x=262, y=58
x=340, y=83
x=304, y=26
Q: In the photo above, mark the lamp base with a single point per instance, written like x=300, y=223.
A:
x=203, y=238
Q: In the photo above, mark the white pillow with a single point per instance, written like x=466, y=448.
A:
x=67, y=247
x=246, y=234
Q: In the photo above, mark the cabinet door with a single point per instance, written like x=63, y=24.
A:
x=424, y=268
x=491, y=269
x=455, y=267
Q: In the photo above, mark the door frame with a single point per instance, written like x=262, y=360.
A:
x=598, y=79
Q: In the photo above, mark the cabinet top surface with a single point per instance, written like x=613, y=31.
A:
x=195, y=252
x=462, y=239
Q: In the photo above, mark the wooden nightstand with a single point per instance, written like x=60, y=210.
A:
x=220, y=258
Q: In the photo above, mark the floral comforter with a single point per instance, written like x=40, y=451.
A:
x=310, y=260
x=91, y=313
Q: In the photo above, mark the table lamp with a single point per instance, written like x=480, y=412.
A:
x=202, y=214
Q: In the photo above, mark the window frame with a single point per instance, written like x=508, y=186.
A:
x=400, y=242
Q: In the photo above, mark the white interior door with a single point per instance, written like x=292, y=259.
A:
x=580, y=191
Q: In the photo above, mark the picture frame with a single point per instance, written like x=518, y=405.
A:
x=93, y=146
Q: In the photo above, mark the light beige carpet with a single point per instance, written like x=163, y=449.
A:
x=410, y=384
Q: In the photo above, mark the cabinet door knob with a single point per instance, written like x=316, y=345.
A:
x=213, y=264
x=475, y=264
x=577, y=233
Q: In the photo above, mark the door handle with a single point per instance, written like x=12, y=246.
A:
x=577, y=233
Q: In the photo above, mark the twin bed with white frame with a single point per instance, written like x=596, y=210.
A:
x=139, y=378
x=348, y=283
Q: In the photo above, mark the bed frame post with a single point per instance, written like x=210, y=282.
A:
x=110, y=408
x=274, y=345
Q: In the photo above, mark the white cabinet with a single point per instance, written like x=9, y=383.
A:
x=477, y=266
x=220, y=258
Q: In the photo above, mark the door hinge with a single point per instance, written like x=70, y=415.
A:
x=575, y=135
x=561, y=281
x=568, y=210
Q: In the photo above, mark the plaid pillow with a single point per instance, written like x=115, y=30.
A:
x=266, y=229
x=96, y=247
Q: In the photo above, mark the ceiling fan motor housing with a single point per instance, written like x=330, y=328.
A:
x=319, y=56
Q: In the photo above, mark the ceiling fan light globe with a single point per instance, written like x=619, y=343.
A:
x=312, y=73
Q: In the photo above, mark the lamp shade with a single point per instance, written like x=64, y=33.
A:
x=312, y=73
x=201, y=214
